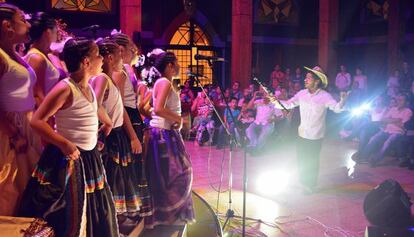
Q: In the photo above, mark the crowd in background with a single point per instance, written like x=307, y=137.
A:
x=256, y=120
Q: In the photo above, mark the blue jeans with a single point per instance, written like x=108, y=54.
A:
x=365, y=133
x=222, y=137
x=379, y=145
x=258, y=134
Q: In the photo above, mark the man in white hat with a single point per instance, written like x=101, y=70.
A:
x=313, y=102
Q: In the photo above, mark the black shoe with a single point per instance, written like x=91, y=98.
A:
x=355, y=157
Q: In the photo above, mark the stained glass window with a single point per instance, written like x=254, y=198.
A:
x=104, y=6
x=188, y=40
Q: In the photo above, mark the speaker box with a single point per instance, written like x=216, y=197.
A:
x=375, y=231
x=388, y=205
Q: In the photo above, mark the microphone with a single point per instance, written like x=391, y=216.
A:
x=212, y=58
x=190, y=74
x=91, y=28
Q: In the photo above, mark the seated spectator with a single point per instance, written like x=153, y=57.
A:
x=343, y=79
x=227, y=94
x=186, y=97
x=295, y=89
x=393, y=131
x=229, y=123
x=361, y=79
x=408, y=158
x=263, y=126
x=408, y=139
x=215, y=93
x=277, y=75
x=275, y=87
x=203, y=122
x=298, y=77
x=245, y=98
x=393, y=84
x=369, y=127
x=288, y=76
x=252, y=89
x=235, y=91
x=245, y=118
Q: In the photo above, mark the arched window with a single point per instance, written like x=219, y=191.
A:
x=188, y=40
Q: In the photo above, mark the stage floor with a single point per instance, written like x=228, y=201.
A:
x=337, y=207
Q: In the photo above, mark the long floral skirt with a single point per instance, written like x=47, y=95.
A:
x=170, y=178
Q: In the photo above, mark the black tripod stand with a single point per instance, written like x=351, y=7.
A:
x=233, y=142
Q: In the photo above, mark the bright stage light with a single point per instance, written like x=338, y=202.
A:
x=361, y=109
x=357, y=112
x=272, y=183
x=366, y=106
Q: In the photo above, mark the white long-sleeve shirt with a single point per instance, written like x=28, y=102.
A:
x=404, y=114
x=313, y=109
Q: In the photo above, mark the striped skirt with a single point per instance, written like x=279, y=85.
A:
x=71, y=195
x=121, y=173
x=139, y=164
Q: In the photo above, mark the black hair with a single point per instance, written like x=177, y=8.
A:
x=107, y=46
x=316, y=77
x=40, y=22
x=121, y=39
x=7, y=11
x=161, y=60
x=74, y=51
x=234, y=98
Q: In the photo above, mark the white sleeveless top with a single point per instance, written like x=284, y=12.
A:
x=130, y=98
x=16, y=86
x=52, y=73
x=113, y=103
x=79, y=122
x=172, y=103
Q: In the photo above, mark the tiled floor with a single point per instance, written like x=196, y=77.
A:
x=336, y=207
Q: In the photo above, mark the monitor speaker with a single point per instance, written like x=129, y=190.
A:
x=388, y=205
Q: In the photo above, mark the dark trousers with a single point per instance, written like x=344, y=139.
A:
x=366, y=132
x=308, y=161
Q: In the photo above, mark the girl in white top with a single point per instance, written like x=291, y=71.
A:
x=168, y=163
x=19, y=147
x=122, y=142
x=42, y=33
x=127, y=82
x=69, y=188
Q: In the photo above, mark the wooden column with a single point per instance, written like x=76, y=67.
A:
x=395, y=35
x=130, y=16
x=241, y=41
x=328, y=36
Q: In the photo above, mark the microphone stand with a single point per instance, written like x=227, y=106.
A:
x=233, y=141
